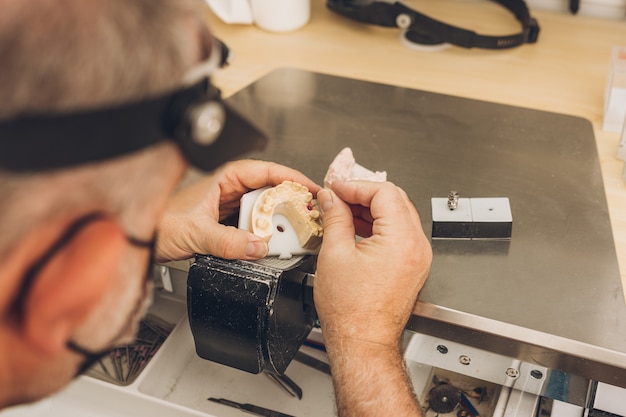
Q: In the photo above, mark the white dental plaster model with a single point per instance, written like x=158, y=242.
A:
x=286, y=215
x=293, y=201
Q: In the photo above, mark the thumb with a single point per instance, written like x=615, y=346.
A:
x=336, y=217
x=228, y=242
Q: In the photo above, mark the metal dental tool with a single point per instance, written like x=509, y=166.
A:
x=286, y=384
x=312, y=362
x=250, y=408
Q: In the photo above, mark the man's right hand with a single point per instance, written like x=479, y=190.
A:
x=366, y=290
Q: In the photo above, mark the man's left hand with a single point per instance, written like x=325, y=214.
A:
x=191, y=225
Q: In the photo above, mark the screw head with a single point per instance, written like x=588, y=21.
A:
x=403, y=21
x=465, y=360
x=512, y=373
x=443, y=349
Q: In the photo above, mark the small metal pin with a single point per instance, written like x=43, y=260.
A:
x=453, y=200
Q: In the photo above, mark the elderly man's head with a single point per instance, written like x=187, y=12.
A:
x=74, y=241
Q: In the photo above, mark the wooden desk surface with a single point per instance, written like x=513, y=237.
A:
x=564, y=72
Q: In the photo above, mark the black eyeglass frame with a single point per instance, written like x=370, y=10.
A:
x=32, y=272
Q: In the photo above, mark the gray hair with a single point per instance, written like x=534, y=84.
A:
x=59, y=55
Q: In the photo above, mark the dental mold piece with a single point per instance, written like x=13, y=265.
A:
x=285, y=216
x=344, y=167
x=292, y=200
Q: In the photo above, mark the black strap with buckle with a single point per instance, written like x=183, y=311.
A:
x=423, y=29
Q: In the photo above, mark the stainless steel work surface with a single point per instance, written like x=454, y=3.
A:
x=552, y=294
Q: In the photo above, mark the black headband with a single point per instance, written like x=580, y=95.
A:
x=207, y=131
x=425, y=30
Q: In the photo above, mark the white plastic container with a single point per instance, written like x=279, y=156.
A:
x=280, y=15
x=615, y=92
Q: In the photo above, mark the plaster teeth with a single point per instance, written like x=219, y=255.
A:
x=262, y=223
x=290, y=199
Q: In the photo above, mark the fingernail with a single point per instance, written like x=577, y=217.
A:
x=256, y=249
x=325, y=199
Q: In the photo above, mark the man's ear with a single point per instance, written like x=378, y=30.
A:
x=70, y=284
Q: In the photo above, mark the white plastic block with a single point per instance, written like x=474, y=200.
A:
x=563, y=409
x=474, y=218
x=492, y=218
x=284, y=241
x=452, y=224
x=610, y=398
